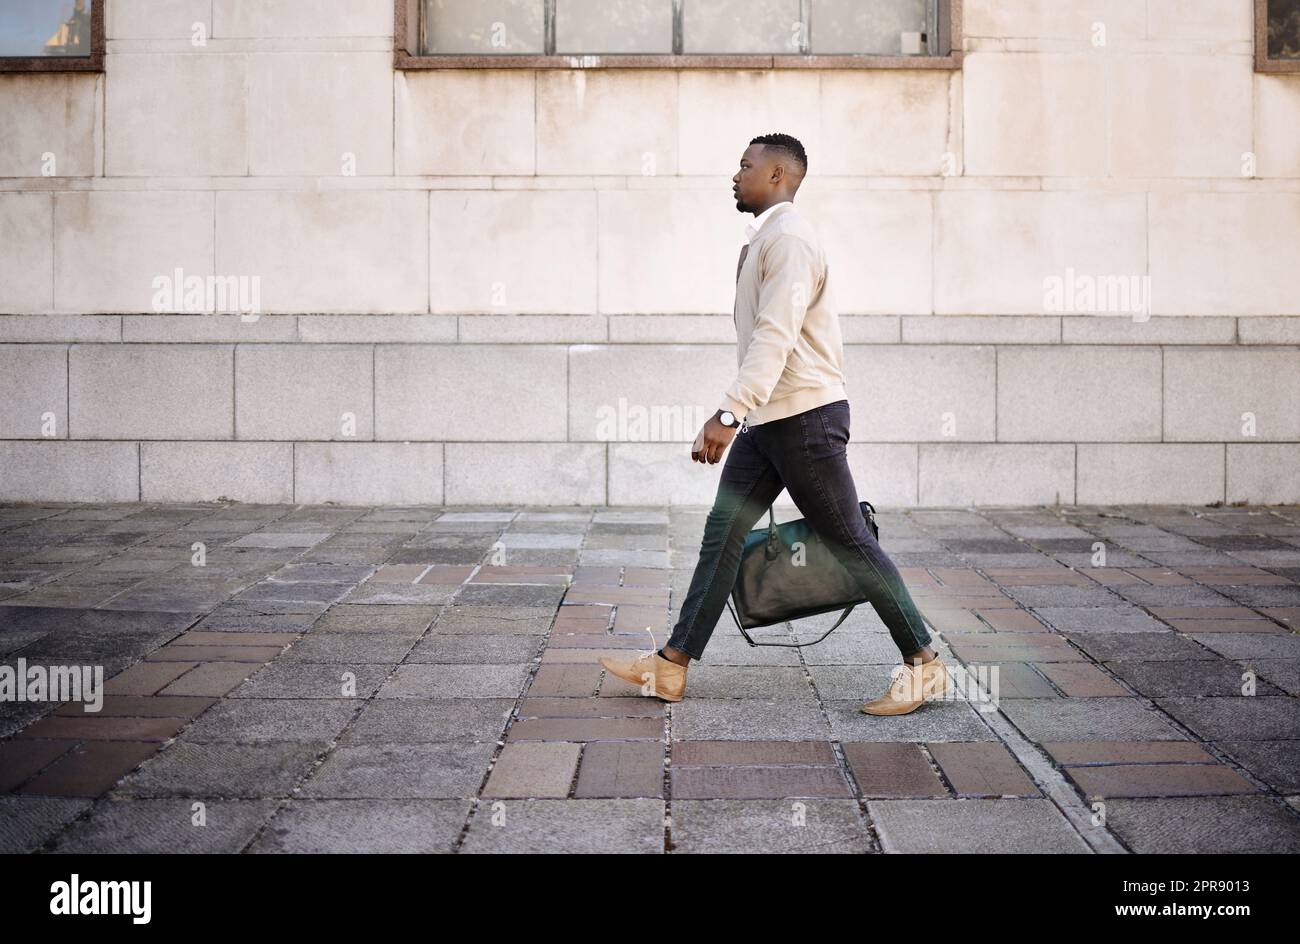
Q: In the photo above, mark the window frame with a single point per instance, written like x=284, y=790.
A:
x=1263, y=63
x=91, y=63
x=406, y=53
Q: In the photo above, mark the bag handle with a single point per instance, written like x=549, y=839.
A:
x=789, y=645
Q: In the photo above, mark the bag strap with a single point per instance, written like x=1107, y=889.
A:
x=789, y=645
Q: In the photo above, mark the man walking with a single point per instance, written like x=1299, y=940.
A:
x=790, y=405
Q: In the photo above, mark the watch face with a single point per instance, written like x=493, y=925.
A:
x=728, y=419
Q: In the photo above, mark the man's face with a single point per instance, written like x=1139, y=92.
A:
x=752, y=184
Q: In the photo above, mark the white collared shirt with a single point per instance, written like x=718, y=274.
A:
x=751, y=229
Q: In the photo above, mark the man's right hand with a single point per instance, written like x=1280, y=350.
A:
x=713, y=440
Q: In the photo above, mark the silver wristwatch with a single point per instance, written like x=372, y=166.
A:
x=727, y=418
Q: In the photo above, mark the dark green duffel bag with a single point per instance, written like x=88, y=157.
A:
x=772, y=588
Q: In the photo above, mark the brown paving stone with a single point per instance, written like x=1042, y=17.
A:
x=918, y=578
x=1289, y=615
x=1160, y=576
x=1226, y=626
x=619, y=596
x=752, y=753
x=1036, y=577
x=90, y=769
x=398, y=573
x=447, y=574
x=1013, y=647
x=757, y=783
x=90, y=727
x=210, y=638
x=21, y=758
x=144, y=706
x=562, y=656
x=647, y=577
x=959, y=577
x=146, y=678
x=635, y=620
x=892, y=769
x=533, y=769
x=522, y=575
x=947, y=620
x=211, y=678
x=588, y=575
x=586, y=729
x=1082, y=680
x=1219, y=576
x=1158, y=780
x=966, y=601
x=613, y=769
x=982, y=768
x=566, y=680
x=593, y=707
x=1114, y=577
x=1012, y=621
x=582, y=619
x=254, y=654
x=1068, y=753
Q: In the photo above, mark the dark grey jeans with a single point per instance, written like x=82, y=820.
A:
x=806, y=454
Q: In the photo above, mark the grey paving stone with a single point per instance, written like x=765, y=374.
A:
x=26, y=822
x=1258, y=718
x=341, y=648
x=254, y=771
x=1200, y=677
x=1251, y=645
x=747, y=719
x=612, y=557
x=1284, y=673
x=767, y=826
x=572, y=826
x=401, y=771
x=365, y=826
x=1050, y=596
x=281, y=539
x=247, y=720
x=297, y=592
x=974, y=826
x=936, y=720
x=456, y=681
x=249, y=619
x=1246, y=824
x=850, y=649
x=170, y=825
x=400, y=594
x=311, y=680
x=1088, y=719
x=1277, y=763
x=479, y=648
x=1099, y=619
x=375, y=618
x=1182, y=595
x=492, y=618
x=846, y=682
x=724, y=649
x=734, y=681
x=414, y=721
x=1139, y=647
x=488, y=594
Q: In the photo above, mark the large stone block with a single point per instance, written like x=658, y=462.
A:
x=151, y=391
x=476, y=121
x=721, y=109
x=304, y=391
x=368, y=473
x=486, y=392
x=175, y=115
x=1150, y=473
x=328, y=251
x=961, y=474
x=27, y=253
x=1079, y=393
x=320, y=113
x=282, y=19
x=532, y=473
x=922, y=392
x=33, y=391
x=50, y=114
x=512, y=251
x=1225, y=394
x=620, y=121
x=220, y=471
x=69, y=471
x=1263, y=474
x=886, y=122
x=110, y=246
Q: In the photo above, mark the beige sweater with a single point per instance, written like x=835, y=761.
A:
x=789, y=348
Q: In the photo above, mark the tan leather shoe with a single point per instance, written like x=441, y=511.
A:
x=910, y=687
x=656, y=676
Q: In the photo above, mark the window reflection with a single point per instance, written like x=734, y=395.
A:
x=1284, y=29
x=45, y=27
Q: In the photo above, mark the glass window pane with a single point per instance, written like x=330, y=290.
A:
x=867, y=27
x=613, y=26
x=484, y=27
x=741, y=26
x=45, y=27
x=1284, y=29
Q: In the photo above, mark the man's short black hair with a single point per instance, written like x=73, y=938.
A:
x=789, y=145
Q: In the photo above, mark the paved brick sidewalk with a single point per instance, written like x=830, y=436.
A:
x=425, y=679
